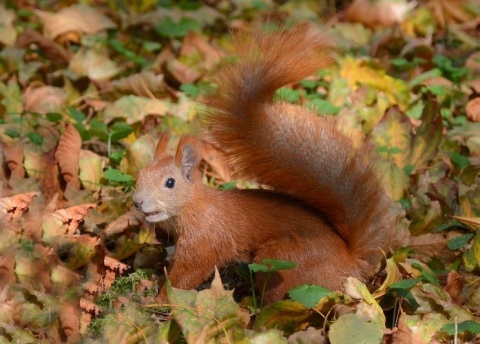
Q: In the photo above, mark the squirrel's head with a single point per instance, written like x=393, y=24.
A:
x=166, y=185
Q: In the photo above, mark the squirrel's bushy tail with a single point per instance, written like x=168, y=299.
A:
x=292, y=149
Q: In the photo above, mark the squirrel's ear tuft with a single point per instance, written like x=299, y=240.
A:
x=189, y=161
x=162, y=144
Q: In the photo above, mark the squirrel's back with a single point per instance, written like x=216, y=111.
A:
x=291, y=148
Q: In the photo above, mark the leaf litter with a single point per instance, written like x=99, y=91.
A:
x=83, y=98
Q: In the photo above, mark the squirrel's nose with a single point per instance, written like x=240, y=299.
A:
x=137, y=204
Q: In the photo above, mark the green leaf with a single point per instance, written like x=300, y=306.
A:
x=78, y=116
x=427, y=274
x=120, y=130
x=309, y=84
x=35, y=138
x=406, y=283
x=117, y=176
x=54, y=117
x=353, y=329
x=322, y=106
x=288, y=95
x=99, y=129
x=168, y=28
x=469, y=325
x=12, y=133
x=308, y=295
x=269, y=265
x=190, y=90
x=460, y=160
x=460, y=241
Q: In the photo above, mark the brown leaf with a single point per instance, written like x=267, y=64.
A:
x=194, y=42
x=13, y=207
x=7, y=272
x=433, y=245
x=449, y=11
x=69, y=315
x=114, y=264
x=311, y=335
x=68, y=155
x=402, y=334
x=373, y=13
x=14, y=158
x=52, y=50
x=44, y=99
x=146, y=84
x=50, y=183
x=71, y=217
x=473, y=109
x=181, y=72
x=127, y=220
x=454, y=286
x=76, y=18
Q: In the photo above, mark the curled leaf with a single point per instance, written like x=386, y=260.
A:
x=13, y=207
x=68, y=155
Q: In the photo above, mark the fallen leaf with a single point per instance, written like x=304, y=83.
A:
x=129, y=219
x=69, y=314
x=134, y=108
x=402, y=334
x=44, y=99
x=81, y=18
x=13, y=207
x=454, y=286
x=8, y=34
x=14, y=158
x=181, y=72
x=473, y=109
x=52, y=50
x=94, y=63
x=378, y=13
x=68, y=155
x=91, y=167
x=144, y=84
x=310, y=336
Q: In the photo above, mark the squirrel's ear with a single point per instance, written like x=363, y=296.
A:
x=189, y=161
x=162, y=144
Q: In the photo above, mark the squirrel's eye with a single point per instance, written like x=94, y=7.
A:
x=170, y=183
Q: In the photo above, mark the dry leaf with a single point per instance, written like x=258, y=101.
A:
x=193, y=42
x=14, y=158
x=68, y=155
x=402, y=334
x=44, y=99
x=79, y=18
x=181, y=72
x=473, y=109
x=94, y=63
x=127, y=220
x=52, y=50
x=69, y=315
x=145, y=84
x=454, y=286
x=114, y=264
x=71, y=217
x=433, y=245
x=8, y=34
x=449, y=11
x=373, y=13
x=13, y=207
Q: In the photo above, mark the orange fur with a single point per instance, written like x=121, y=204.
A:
x=328, y=213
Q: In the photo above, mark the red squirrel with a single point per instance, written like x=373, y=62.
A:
x=327, y=210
